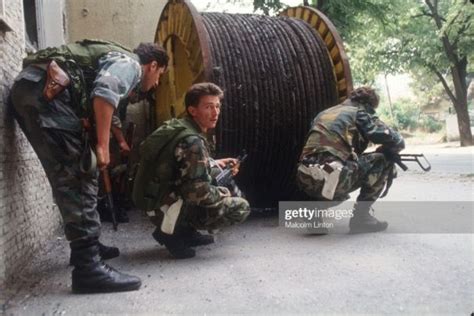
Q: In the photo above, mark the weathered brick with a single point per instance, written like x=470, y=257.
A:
x=27, y=216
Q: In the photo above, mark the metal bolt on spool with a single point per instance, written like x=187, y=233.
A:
x=277, y=74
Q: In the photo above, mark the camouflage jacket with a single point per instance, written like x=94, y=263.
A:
x=194, y=180
x=346, y=129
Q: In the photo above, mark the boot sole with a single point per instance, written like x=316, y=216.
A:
x=132, y=287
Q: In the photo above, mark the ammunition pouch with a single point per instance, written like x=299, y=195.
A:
x=328, y=174
x=170, y=216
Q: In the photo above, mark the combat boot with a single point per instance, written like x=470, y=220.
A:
x=364, y=222
x=91, y=275
x=176, y=244
x=193, y=238
x=105, y=253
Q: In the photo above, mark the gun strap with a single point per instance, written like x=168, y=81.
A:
x=389, y=182
x=88, y=160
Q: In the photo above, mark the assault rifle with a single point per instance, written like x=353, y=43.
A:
x=122, y=178
x=400, y=158
x=226, y=179
x=89, y=138
x=126, y=179
x=109, y=200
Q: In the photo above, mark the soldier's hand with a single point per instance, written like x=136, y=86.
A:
x=222, y=163
x=124, y=148
x=235, y=168
x=103, y=157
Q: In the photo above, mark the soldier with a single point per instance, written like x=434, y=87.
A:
x=59, y=90
x=174, y=184
x=333, y=162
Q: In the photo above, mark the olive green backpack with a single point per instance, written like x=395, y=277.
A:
x=156, y=172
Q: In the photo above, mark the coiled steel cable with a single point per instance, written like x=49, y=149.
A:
x=277, y=75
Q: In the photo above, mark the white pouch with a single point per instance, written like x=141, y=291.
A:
x=332, y=171
x=170, y=216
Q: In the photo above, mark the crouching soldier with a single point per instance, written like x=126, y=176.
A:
x=174, y=184
x=333, y=162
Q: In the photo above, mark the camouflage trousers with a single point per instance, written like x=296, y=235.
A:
x=234, y=210
x=55, y=133
x=369, y=173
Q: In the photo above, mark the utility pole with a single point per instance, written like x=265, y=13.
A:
x=389, y=100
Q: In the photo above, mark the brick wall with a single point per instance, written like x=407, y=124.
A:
x=28, y=216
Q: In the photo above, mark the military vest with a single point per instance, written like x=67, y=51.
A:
x=157, y=170
x=80, y=60
x=335, y=131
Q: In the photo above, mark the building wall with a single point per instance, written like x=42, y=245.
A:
x=128, y=22
x=28, y=216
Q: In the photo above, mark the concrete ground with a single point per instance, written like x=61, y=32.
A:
x=262, y=268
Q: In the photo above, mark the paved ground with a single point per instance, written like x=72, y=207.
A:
x=260, y=267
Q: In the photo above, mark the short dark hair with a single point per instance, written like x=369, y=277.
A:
x=365, y=95
x=149, y=52
x=198, y=90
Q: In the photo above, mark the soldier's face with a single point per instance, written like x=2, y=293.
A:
x=151, y=76
x=206, y=113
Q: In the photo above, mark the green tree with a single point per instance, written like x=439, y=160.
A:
x=430, y=36
x=436, y=36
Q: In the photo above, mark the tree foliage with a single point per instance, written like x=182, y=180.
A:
x=430, y=37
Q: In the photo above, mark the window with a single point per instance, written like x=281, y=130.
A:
x=31, y=26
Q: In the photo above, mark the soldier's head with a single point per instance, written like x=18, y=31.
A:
x=203, y=104
x=154, y=61
x=365, y=95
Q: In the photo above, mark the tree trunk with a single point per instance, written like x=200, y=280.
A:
x=460, y=89
x=465, y=135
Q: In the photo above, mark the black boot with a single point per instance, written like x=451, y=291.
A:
x=105, y=252
x=176, y=244
x=364, y=222
x=193, y=238
x=91, y=275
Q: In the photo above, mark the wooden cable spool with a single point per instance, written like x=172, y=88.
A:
x=277, y=74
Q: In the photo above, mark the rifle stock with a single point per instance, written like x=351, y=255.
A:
x=108, y=194
x=400, y=158
x=425, y=166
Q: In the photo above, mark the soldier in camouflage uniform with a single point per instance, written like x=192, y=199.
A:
x=58, y=90
x=175, y=183
x=333, y=162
